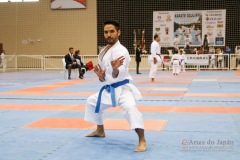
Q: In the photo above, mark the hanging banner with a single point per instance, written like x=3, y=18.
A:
x=214, y=26
x=190, y=27
x=163, y=26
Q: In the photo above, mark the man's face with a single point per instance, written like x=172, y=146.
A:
x=71, y=51
x=111, y=34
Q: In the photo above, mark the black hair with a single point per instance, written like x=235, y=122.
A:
x=76, y=52
x=155, y=36
x=112, y=22
x=70, y=48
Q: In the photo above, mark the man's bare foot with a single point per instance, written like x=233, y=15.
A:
x=96, y=134
x=142, y=147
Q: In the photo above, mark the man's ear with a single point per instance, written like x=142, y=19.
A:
x=119, y=32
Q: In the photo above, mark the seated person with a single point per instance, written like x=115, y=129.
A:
x=188, y=50
x=71, y=63
x=211, y=50
x=80, y=62
x=194, y=50
x=201, y=50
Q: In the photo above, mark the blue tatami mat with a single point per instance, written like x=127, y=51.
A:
x=200, y=111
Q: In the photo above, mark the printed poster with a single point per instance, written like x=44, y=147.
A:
x=190, y=26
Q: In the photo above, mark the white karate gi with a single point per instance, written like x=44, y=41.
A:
x=155, y=52
x=125, y=95
x=220, y=59
x=182, y=63
x=3, y=62
x=237, y=51
x=212, y=61
x=175, y=61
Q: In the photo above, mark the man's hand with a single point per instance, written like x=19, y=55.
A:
x=116, y=64
x=100, y=73
x=155, y=60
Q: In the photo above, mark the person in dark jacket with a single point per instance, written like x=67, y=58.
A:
x=138, y=58
x=77, y=56
x=205, y=43
x=71, y=63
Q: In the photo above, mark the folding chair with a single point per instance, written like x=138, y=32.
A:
x=65, y=71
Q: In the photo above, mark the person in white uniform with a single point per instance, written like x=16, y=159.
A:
x=66, y=4
x=175, y=61
x=182, y=61
x=212, y=61
x=3, y=61
x=212, y=57
x=237, y=51
x=155, y=57
x=112, y=69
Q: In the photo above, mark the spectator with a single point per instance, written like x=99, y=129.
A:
x=205, y=42
x=138, y=58
x=80, y=62
x=72, y=64
x=187, y=50
x=228, y=50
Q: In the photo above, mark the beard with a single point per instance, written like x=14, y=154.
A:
x=110, y=40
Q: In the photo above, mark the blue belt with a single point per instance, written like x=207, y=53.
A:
x=110, y=89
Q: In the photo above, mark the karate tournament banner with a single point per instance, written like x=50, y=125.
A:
x=190, y=26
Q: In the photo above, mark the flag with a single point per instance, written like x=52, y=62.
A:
x=143, y=40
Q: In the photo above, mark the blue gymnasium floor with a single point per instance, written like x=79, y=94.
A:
x=191, y=116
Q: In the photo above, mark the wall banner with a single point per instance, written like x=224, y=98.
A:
x=190, y=26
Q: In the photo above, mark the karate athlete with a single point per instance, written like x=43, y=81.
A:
x=155, y=57
x=182, y=61
x=118, y=91
x=4, y=61
x=175, y=61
